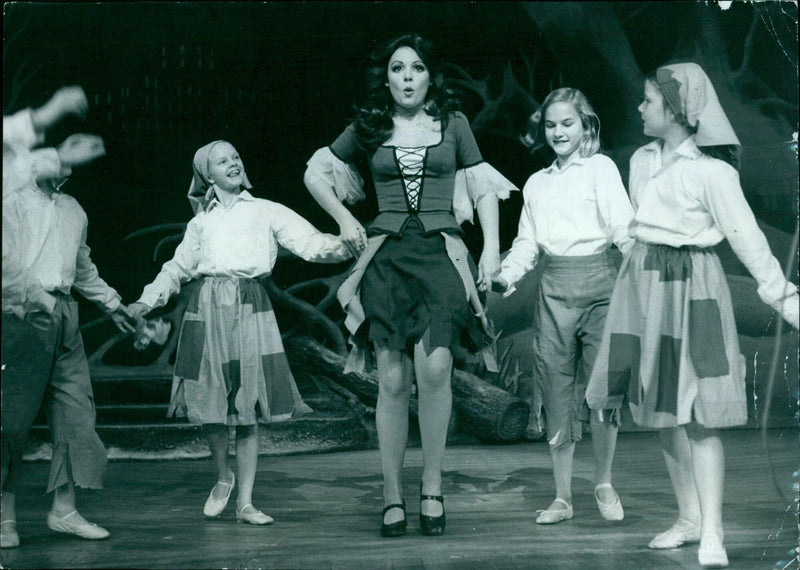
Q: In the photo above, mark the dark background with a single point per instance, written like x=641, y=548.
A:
x=279, y=80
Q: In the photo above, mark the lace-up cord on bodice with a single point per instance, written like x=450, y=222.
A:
x=411, y=161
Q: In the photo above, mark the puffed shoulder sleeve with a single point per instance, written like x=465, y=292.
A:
x=474, y=178
x=332, y=166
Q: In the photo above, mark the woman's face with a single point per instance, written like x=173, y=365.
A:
x=563, y=129
x=225, y=168
x=655, y=115
x=408, y=78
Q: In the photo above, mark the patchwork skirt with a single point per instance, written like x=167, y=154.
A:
x=231, y=367
x=670, y=344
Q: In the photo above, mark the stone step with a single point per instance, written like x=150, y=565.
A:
x=145, y=390
x=132, y=422
x=132, y=414
x=138, y=412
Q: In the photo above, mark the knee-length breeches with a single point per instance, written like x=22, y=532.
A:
x=570, y=314
x=44, y=363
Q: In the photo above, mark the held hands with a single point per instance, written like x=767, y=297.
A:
x=138, y=310
x=79, y=149
x=488, y=268
x=499, y=284
x=354, y=236
x=123, y=319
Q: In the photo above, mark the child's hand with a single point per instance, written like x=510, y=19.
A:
x=138, y=310
x=71, y=101
x=79, y=149
x=488, y=268
x=123, y=319
x=499, y=284
x=354, y=236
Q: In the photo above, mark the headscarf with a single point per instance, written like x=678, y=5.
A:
x=690, y=93
x=200, y=192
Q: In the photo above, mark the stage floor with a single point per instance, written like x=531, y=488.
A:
x=327, y=512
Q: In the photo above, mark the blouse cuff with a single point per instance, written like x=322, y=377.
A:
x=153, y=298
x=112, y=303
x=475, y=182
x=343, y=177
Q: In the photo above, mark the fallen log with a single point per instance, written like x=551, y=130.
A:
x=482, y=409
x=486, y=411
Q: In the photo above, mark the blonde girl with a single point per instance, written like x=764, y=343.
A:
x=574, y=210
x=230, y=370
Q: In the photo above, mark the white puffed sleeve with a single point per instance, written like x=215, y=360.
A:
x=475, y=182
x=343, y=177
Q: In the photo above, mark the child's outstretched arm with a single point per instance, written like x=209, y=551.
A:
x=723, y=196
x=296, y=234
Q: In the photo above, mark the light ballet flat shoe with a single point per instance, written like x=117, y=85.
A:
x=8, y=534
x=73, y=523
x=252, y=515
x=214, y=507
x=711, y=553
x=676, y=536
x=552, y=516
x=610, y=511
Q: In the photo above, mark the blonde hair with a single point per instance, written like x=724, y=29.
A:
x=535, y=139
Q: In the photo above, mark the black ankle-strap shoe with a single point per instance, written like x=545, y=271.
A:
x=396, y=528
x=431, y=526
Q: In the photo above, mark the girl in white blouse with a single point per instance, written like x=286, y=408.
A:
x=230, y=369
x=670, y=343
x=573, y=211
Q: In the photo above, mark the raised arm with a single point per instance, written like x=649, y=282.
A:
x=69, y=100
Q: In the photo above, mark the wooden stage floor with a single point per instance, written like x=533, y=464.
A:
x=327, y=511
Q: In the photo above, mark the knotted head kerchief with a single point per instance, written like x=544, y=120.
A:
x=689, y=93
x=200, y=191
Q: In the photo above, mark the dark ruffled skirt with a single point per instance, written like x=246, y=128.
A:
x=411, y=291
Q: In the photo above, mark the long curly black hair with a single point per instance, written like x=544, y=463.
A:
x=373, y=118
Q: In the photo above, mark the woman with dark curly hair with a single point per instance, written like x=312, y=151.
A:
x=411, y=291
